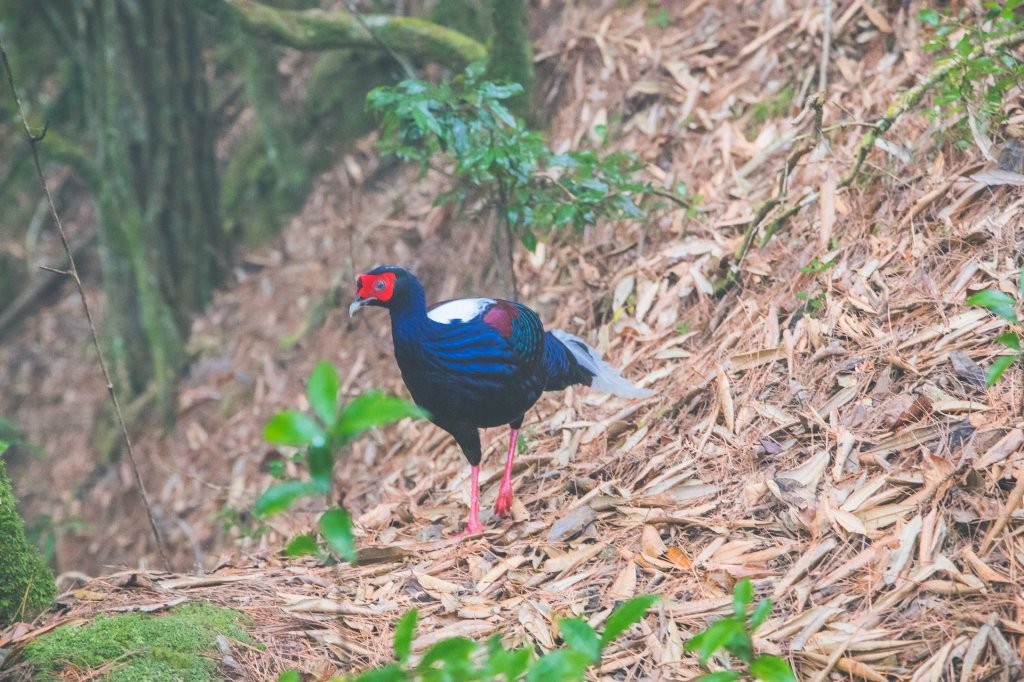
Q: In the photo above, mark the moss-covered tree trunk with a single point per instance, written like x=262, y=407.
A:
x=26, y=583
x=511, y=57
x=161, y=242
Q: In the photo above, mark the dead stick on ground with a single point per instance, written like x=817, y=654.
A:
x=1012, y=503
x=73, y=273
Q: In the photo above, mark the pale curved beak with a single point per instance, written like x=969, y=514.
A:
x=357, y=304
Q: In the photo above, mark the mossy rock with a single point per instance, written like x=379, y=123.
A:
x=26, y=582
x=180, y=646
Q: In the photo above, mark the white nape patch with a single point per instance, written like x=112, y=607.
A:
x=606, y=377
x=459, y=310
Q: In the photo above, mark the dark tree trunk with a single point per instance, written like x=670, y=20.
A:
x=161, y=240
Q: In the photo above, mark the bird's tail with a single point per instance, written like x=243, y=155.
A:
x=568, y=360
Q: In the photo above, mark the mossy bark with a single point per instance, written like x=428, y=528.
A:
x=161, y=242
x=511, y=56
x=26, y=583
x=316, y=29
x=270, y=175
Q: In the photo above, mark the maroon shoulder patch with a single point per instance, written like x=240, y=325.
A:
x=501, y=315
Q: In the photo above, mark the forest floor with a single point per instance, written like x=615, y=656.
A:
x=823, y=428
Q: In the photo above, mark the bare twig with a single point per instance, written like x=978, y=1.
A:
x=1013, y=502
x=732, y=269
x=72, y=272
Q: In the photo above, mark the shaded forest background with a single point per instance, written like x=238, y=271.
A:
x=187, y=130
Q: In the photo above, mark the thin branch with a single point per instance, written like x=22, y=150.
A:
x=317, y=29
x=73, y=273
x=402, y=61
x=732, y=269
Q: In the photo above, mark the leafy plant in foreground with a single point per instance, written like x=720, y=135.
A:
x=319, y=437
x=1005, y=306
x=460, y=659
x=734, y=635
x=466, y=122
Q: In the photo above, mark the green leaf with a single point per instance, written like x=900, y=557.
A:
x=373, y=409
x=563, y=665
x=321, y=466
x=509, y=664
x=451, y=651
x=998, y=302
x=929, y=16
x=579, y=636
x=626, y=615
x=322, y=391
x=336, y=525
x=293, y=428
x=742, y=594
x=714, y=638
x=289, y=676
x=404, y=632
x=996, y=369
x=760, y=614
x=1010, y=340
x=280, y=496
x=3, y=446
x=389, y=673
x=720, y=676
x=1020, y=283
x=740, y=645
x=301, y=545
x=772, y=669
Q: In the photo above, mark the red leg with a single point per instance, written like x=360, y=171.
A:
x=503, y=504
x=474, y=526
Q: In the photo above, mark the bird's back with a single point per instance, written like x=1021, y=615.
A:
x=476, y=361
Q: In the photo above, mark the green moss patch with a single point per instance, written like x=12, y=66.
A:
x=179, y=646
x=26, y=583
x=776, y=106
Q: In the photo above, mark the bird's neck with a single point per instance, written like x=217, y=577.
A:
x=409, y=316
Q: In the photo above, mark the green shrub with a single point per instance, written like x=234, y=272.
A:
x=26, y=582
x=733, y=634
x=1005, y=306
x=459, y=659
x=980, y=76
x=320, y=437
x=468, y=125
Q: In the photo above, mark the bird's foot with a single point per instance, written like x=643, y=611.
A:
x=503, y=505
x=474, y=527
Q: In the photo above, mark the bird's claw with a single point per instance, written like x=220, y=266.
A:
x=503, y=505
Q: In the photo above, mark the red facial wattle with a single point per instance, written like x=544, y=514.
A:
x=380, y=287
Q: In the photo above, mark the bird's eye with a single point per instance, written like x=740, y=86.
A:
x=379, y=286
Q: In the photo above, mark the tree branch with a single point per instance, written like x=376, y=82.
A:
x=316, y=29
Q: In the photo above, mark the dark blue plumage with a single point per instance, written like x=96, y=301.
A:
x=477, y=363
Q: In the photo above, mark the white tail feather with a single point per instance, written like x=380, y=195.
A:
x=606, y=377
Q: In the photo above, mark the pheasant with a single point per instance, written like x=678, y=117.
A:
x=477, y=363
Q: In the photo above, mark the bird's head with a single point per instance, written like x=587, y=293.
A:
x=385, y=286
